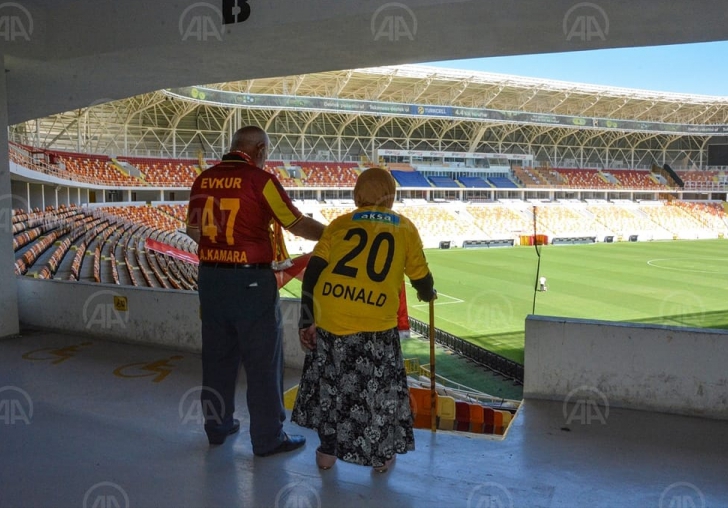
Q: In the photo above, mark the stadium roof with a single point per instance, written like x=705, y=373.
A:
x=419, y=84
x=66, y=54
x=407, y=106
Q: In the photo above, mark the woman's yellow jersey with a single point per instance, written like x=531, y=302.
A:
x=368, y=251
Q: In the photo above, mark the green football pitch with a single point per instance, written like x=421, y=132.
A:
x=486, y=294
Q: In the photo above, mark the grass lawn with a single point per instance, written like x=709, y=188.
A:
x=485, y=294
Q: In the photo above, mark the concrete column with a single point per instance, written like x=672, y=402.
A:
x=9, y=324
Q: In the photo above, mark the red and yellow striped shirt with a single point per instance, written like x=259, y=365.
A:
x=233, y=204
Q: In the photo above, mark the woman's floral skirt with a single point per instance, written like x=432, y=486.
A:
x=354, y=392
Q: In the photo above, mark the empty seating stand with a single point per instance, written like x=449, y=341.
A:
x=458, y=415
x=92, y=169
x=443, y=181
x=410, y=179
x=474, y=182
x=502, y=182
x=329, y=174
x=635, y=179
x=584, y=178
x=165, y=172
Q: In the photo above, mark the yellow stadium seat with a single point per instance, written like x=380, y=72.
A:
x=507, y=418
x=445, y=412
x=412, y=365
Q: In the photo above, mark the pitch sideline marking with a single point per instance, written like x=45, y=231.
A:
x=418, y=305
x=456, y=300
x=688, y=270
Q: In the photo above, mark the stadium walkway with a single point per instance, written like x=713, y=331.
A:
x=94, y=424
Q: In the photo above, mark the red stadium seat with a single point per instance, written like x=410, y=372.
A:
x=462, y=416
x=488, y=420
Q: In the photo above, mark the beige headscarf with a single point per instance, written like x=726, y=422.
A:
x=375, y=187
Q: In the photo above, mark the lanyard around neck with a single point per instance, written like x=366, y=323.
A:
x=247, y=158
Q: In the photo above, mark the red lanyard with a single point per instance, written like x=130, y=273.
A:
x=247, y=158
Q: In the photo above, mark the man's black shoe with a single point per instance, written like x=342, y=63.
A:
x=217, y=437
x=289, y=444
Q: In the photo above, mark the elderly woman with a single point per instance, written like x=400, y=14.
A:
x=354, y=388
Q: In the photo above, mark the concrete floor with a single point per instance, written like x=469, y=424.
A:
x=87, y=423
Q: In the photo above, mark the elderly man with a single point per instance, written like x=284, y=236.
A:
x=232, y=206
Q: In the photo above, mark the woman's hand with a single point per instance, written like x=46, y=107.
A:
x=308, y=337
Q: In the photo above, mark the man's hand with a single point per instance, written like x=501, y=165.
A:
x=308, y=337
x=307, y=228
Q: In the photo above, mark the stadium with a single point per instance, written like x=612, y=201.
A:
x=616, y=196
x=468, y=183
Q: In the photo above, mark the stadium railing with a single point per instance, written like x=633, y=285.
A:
x=493, y=361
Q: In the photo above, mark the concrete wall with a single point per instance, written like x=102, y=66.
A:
x=660, y=368
x=8, y=296
x=159, y=317
x=667, y=369
x=8, y=299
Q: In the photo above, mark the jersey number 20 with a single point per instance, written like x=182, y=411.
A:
x=342, y=268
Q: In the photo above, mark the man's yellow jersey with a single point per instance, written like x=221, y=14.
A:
x=368, y=251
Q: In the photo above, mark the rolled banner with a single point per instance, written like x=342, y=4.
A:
x=402, y=315
x=281, y=259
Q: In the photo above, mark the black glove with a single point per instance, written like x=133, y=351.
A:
x=315, y=266
x=425, y=288
x=427, y=297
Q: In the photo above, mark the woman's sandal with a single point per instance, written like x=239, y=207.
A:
x=324, y=460
x=386, y=466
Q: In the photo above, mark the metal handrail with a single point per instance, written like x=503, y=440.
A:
x=492, y=361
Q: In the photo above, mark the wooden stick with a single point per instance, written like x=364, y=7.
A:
x=433, y=392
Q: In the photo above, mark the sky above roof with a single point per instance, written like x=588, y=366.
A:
x=687, y=68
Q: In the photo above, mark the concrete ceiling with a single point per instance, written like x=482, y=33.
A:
x=66, y=54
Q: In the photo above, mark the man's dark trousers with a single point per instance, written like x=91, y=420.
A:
x=241, y=323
